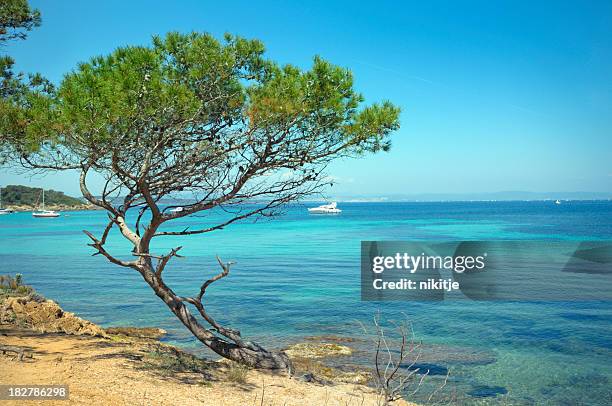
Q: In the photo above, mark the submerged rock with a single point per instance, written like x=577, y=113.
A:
x=356, y=377
x=437, y=354
x=484, y=391
x=140, y=332
x=317, y=350
x=46, y=316
x=428, y=369
x=308, y=368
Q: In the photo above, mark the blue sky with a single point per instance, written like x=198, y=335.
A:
x=495, y=95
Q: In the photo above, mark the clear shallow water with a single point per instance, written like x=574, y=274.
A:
x=298, y=276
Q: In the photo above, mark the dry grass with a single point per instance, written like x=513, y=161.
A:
x=236, y=373
x=168, y=361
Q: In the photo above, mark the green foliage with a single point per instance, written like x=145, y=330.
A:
x=195, y=78
x=16, y=19
x=27, y=196
x=18, y=91
x=168, y=361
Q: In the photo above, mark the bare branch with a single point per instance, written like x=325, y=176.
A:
x=163, y=261
x=99, y=245
x=222, y=274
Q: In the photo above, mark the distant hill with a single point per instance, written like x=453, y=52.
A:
x=18, y=195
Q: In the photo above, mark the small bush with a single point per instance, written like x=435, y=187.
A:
x=237, y=373
x=23, y=290
x=13, y=286
x=168, y=361
x=314, y=367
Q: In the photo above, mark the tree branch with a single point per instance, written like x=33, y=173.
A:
x=99, y=245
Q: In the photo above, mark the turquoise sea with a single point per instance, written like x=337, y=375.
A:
x=298, y=276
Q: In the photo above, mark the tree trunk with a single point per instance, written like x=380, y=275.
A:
x=249, y=353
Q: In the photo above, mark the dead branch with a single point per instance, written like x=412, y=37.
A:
x=20, y=353
x=390, y=380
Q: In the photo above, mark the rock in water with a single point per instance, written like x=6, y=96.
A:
x=484, y=391
x=317, y=350
x=426, y=368
x=140, y=332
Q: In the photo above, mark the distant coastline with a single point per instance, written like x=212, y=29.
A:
x=28, y=198
x=55, y=207
x=25, y=198
x=341, y=200
x=474, y=197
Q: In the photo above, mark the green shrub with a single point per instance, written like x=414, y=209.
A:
x=23, y=290
x=167, y=361
x=13, y=286
x=237, y=373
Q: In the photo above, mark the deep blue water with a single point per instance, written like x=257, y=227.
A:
x=298, y=275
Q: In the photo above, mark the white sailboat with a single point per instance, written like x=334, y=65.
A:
x=45, y=213
x=3, y=211
x=325, y=209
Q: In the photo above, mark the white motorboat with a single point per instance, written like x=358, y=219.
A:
x=176, y=210
x=557, y=201
x=325, y=209
x=45, y=213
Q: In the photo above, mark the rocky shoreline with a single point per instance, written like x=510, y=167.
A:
x=45, y=316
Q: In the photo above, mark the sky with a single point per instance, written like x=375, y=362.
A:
x=495, y=95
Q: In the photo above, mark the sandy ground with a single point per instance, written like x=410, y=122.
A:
x=114, y=372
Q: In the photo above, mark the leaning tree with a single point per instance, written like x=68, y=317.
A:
x=191, y=114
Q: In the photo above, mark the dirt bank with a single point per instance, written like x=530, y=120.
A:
x=130, y=371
